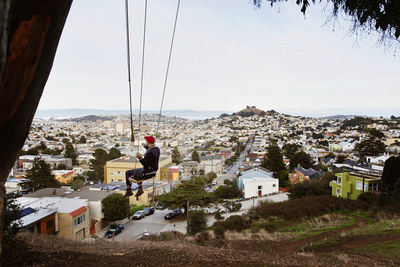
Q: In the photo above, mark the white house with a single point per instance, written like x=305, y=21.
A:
x=257, y=187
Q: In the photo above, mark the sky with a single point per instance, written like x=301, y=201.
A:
x=227, y=54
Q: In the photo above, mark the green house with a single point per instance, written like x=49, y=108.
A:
x=352, y=184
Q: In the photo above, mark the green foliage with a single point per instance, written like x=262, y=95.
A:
x=303, y=207
x=82, y=140
x=197, y=222
x=114, y=154
x=274, y=159
x=77, y=184
x=115, y=207
x=201, y=172
x=61, y=166
x=357, y=121
x=374, y=133
x=218, y=216
x=15, y=251
x=233, y=223
x=290, y=149
x=191, y=191
x=232, y=206
x=391, y=173
x=134, y=209
x=219, y=232
x=341, y=159
x=40, y=176
x=32, y=151
x=301, y=158
x=283, y=177
x=228, y=191
x=176, y=156
x=370, y=147
x=195, y=156
x=97, y=164
x=314, y=187
x=70, y=152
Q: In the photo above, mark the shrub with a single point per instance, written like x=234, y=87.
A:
x=115, y=207
x=236, y=223
x=304, y=207
x=134, y=209
x=202, y=237
x=219, y=232
x=232, y=206
x=218, y=215
x=197, y=222
x=315, y=187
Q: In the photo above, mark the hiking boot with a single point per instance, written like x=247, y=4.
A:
x=128, y=192
x=139, y=192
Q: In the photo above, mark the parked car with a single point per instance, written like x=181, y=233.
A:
x=160, y=206
x=138, y=215
x=114, y=230
x=148, y=211
x=169, y=216
x=177, y=212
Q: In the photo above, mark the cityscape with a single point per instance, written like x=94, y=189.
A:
x=199, y=133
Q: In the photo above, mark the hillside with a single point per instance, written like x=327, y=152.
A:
x=250, y=111
x=313, y=231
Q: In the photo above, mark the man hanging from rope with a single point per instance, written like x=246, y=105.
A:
x=149, y=170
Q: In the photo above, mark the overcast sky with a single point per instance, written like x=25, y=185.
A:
x=227, y=55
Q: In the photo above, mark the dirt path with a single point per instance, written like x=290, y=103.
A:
x=358, y=242
x=292, y=247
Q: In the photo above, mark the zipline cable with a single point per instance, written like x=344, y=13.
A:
x=129, y=68
x=168, y=65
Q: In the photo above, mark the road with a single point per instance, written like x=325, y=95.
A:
x=156, y=223
x=152, y=224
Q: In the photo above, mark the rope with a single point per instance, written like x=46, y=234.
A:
x=142, y=74
x=168, y=65
x=129, y=68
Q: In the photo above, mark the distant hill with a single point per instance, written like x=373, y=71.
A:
x=92, y=118
x=74, y=113
x=250, y=111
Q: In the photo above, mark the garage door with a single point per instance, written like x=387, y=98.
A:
x=80, y=235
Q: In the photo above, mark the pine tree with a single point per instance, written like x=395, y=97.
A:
x=274, y=159
x=70, y=152
x=40, y=176
x=195, y=156
x=176, y=156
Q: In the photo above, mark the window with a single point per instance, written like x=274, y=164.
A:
x=79, y=220
x=49, y=224
x=274, y=185
x=259, y=187
x=339, y=180
x=338, y=191
x=359, y=185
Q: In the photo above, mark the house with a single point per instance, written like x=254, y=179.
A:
x=300, y=175
x=351, y=184
x=188, y=168
x=67, y=218
x=94, y=197
x=114, y=170
x=257, y=187
x=257, y=172
x=17, y=186
x=327, y=161
x=64, y=176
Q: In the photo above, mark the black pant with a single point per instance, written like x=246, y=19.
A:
x=137, y=174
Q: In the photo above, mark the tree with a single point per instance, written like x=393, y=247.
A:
x=391, y=172
x=32, y=151
x=313, y=187
x=176, y=156
x=201, y=172
x=197, y=222
x=374, y=133
x=61, y=166
x=341, y=159
x=76, y=184
x=301, y=158
x=195, y=156
x=290, y=149
x=82, y=140
x=232, y=206
x=273, y=160
x=40, y=176
x=191, y=191
x=228, y=191
x=114, y=154
x=370, y=147
x=115, y=207
x=70, y=153
x=97, y=164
